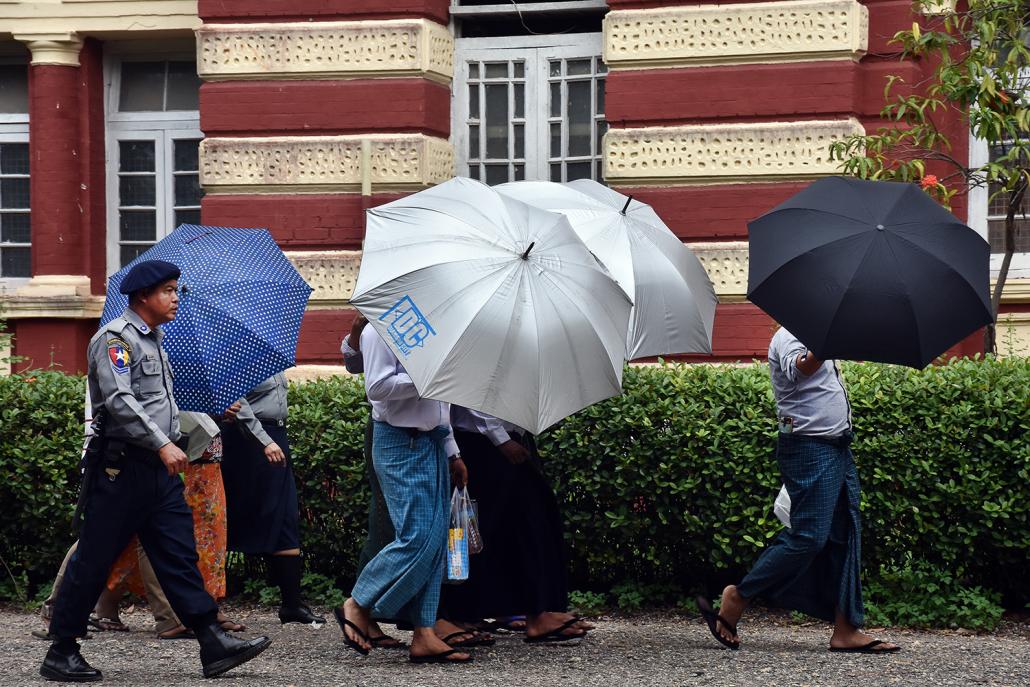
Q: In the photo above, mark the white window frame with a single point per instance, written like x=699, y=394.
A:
x=14, y=128
x=979, y=154
x=537, y=50
x=164, y=128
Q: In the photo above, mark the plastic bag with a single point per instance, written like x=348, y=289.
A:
x=472, y=509
x=457, y=540
x=781, y=507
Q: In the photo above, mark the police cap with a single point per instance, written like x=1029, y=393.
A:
x=148, y=273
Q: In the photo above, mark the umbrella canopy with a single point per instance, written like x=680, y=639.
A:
x=492, y=304
x=241, y=303
x=869, y=270
x=673, y=298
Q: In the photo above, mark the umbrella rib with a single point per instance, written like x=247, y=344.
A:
x=844, y=292
x=475, y=229
x=356, y=296
x=452, y=299
x=908, y=294
x=575, y=304
x=492, y=390
x=926, y=252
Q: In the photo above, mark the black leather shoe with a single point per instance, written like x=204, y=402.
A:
x=300, y=614
x=66, y=664
x=221, y=651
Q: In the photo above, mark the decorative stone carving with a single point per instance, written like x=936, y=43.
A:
x=400, y=47
x=726, y=264
x=323, y=163
x=332, y=275
x=715, y=153
x=737, y=33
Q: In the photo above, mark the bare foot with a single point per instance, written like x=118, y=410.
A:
x=583, y=623
x=845, y=638
x=451, y=633
x=731, y=608
x=539, y=625
x=425, y=643
x=175, y=633
x=228, y=624
x=380, y=639
x=357, y=615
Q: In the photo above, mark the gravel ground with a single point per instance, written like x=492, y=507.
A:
x=659, y=649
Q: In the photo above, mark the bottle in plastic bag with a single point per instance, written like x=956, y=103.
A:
x=472, y=509
x=457, y=542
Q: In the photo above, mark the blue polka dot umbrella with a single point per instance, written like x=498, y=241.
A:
x=240, y=308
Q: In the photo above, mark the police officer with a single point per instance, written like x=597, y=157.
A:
x=133, y=485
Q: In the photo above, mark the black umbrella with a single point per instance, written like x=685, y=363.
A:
x=869, y=270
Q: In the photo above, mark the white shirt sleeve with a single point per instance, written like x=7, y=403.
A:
x=385, y=379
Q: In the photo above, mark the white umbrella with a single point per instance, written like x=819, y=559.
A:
x=492, y=304
x=674, y=300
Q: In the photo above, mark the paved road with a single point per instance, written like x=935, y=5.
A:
x=636, y=652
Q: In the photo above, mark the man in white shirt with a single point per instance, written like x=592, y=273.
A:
x=416, y=460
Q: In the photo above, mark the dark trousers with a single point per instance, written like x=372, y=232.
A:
x=814, y=567
x=262, y=511
x=522, y=568
x=145, y=500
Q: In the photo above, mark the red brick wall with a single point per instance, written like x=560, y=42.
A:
x=235, y=108
x=321, y=334
x=298, y=221
x=47, y=342
x=321, y=221
x=58, y=240
x=757, y=93
x=92, y=162
x=305, y=10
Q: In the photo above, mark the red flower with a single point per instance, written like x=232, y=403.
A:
x=928, y=181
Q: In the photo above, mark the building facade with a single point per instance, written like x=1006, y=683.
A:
x=120, y=119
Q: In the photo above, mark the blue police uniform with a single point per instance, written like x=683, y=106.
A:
x=129, y=491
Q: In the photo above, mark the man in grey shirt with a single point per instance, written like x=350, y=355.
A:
x=813, y=567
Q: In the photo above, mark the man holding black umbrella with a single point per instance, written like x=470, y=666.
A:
x=132, y=485
x=814, y=566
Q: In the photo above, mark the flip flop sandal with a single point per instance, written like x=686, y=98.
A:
x=557, y=634
x=713, y=619
x=476, y=639
x=869, y=648
x=230, y=625
x=342, y=621
x=106, y=624
x=442, y=657
x=386, y=642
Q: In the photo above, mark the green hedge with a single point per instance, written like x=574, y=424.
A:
x=669, y=484
x=682, y=468
x=40, y=443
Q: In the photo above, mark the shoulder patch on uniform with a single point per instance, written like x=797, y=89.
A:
x=119, y=353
